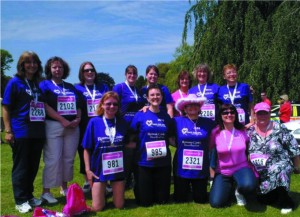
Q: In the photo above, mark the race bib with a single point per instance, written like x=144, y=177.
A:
x=241, y=114
x=156, y=149
x=112, y=162
x=37, y=111
x=192, y=159
x=66, y=105
x=92, y=106
x=259, y=160
x=208, y=111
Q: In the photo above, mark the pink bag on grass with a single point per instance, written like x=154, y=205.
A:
x=75, y=201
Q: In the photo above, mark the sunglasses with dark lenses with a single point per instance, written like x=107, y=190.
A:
x=89, y=70
x=110, y=104
x=228, y=112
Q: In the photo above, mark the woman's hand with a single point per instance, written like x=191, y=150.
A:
x=9, y=138
x=145, y=108
x=65, y=123
x=90, y=175
x=75, y=122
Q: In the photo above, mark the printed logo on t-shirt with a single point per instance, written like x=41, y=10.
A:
x=28, y=91
x=149, y=122
x=184, y=130
x=57, y=91
x=225, y=96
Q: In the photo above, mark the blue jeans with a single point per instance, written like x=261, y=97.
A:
x=244, y=179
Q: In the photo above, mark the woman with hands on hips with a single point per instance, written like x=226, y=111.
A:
x=103, y=144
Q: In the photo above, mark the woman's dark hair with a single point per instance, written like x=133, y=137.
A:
x=63, y=63
x=81, y=72
x=25, y=57
x=152, y=67
x=183, y=74
x=236, y=123
x=154, y=86
x=131, y=67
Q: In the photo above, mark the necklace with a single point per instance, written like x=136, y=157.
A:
x=194, y=122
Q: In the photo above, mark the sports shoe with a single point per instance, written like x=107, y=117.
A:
x=286, y=210
x=24, y=207
x=63, y=192
x=86, y=188
x=240, y=199
x=48, y=197
x=108, y=189
x=33, y=202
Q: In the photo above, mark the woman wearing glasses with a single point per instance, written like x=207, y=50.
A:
x=233, y=170
x=91, y=91
x=274, y=153
x=236, y=93
x=103, y=144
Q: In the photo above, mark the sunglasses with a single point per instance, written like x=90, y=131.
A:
x=110, y=104
x=89, y=70
x=228, y=112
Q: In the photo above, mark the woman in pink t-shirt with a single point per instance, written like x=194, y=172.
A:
x=230, y=141
x=184, y=83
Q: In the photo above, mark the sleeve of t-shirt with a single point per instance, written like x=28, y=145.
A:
x=8, y=94
x=168, y=95
x=135, y=123
x=88, y=141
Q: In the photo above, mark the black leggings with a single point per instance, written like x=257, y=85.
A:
x=280, y=195
x=182, y=189
x=153, y=185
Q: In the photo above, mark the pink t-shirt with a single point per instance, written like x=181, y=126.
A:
x=176, y=95
x=231, y=150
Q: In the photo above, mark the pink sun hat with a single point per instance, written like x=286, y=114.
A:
x=190, y=99
x=262, y=106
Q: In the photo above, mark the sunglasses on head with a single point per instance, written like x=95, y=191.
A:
x=228, y=112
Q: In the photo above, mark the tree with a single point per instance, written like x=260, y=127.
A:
x=261, y=37
x=106, y=79
x=140, y=82
x=6, y=59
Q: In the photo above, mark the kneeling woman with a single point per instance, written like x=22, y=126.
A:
x=275, y=154
x=103, y=145
x=191, y=160
x=233, y=169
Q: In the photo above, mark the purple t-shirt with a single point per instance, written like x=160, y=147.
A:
x=106, y=160
x=241, y=99
x=208, y=90
x=131, y=100
x=17, y=97
x=231, y=150
x=153, y=145
x=191, y=158
x=88, y=107
x=62, y=98
x=167, y=98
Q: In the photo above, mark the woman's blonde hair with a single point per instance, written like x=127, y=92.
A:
x=109, y=94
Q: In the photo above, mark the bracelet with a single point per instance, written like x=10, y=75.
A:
x=8, y=131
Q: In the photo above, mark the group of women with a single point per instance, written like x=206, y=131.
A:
x=128, y=131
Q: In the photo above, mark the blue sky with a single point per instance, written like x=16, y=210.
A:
x=111, y=34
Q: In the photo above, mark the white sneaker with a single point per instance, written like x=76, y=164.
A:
x=48, y=197
x=63, y=192
x=286, y=210
x=24, y=207
x=240, y=199
x=33, y=202
x=86, y=188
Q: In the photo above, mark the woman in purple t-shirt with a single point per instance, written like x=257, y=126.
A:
x=230, y=141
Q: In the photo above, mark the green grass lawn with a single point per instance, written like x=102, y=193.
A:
x=171, y=209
